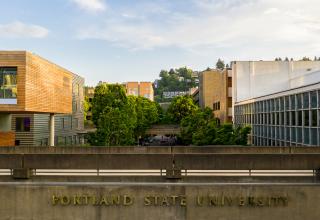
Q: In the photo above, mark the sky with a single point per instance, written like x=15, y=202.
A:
x=133, y=40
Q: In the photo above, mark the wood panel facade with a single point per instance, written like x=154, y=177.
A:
x=7, y=139
x=42, y=87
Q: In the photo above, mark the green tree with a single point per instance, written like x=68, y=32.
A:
x=114, y=116
x=147, y=114
x=181, y=107
x=220, y=64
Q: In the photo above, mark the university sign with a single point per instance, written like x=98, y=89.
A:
x=171, y=200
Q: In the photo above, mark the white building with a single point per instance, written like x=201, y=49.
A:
x=279, y=99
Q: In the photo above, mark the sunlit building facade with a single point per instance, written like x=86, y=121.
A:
x=280, y=100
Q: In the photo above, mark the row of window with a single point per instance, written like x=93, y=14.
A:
x=23, y=124
x=308, y=118
x=293, y=119
x=309, y=136
x=293, y=102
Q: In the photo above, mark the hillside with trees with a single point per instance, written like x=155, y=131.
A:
x=175, y=80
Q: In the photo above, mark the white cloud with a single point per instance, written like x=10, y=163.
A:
x=91, y=5
x=272, y=26
x=18, y=29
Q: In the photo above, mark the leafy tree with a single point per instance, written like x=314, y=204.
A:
x=86, y=107
x=114, y=116
x=181, y=107
x=147, y=113
x=192, y=126
x=220, y=64
x=107, y=95
x=120, y=119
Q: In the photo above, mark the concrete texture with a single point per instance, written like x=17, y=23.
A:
x=35, y=201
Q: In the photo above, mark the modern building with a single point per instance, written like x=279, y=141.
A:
x=280, y=100
x=215, y=92
x=143, y=89
x=40, y=102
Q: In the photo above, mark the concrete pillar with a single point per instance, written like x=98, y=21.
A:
x=51, y=130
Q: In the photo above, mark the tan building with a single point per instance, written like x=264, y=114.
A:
x=143, y=89
x=37, y=100
x=215, y=92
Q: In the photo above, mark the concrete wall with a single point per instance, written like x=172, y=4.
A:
x=213, y=88
x=252, y=79
x=50, y=201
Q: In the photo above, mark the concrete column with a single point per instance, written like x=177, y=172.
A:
x=51, y=130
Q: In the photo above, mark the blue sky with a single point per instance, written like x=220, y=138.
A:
x=122, y=40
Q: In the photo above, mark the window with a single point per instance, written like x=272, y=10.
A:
x=306, y=100
x=293, y=119
x=287, y=102
x=23, y=124
x=293, y=135
x=306, y=118
x=299, y=135
x=281, y=104
x=293, y=102
x=314, y=136
x=306, y=136
x=299, y=101
x=216, y=106
x=314, y=118
x=276, y=102
x=299, y=118
x=313, y=97
x=8, y=82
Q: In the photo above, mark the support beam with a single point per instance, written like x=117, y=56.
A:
x=51, y=130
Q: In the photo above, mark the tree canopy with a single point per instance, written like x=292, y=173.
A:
x=181, y=107
x=119, y=119
x=220, y=64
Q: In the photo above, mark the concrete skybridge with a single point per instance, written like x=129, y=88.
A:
x=218, y=182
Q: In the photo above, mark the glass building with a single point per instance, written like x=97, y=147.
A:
x=290, y=117
x=285, y=120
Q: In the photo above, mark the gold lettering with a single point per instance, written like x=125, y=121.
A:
x=103, y=201
x=115, y=200
x=127, y=200
x=213, y=200
x=147, y=201
x=183, y=201
x=86, y=198
x=241, y=201
x=156, y=200
x=76, y=200
x=260, y=201
x=228, y=199
x=174, y=199
x=55, y=200
x=65, y=200
x=199, y=201
x=164, y=201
